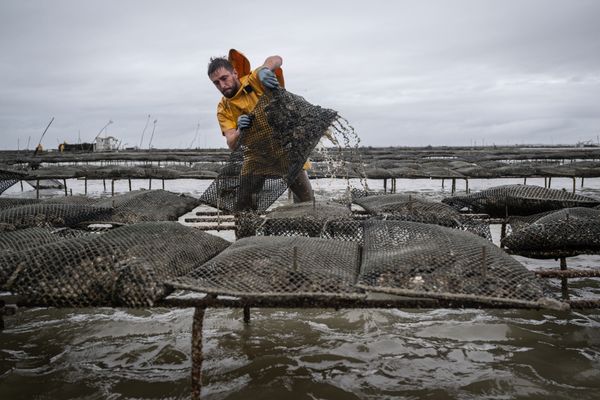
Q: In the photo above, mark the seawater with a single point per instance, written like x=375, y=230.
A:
x=106, y=353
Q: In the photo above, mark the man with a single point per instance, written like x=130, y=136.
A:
x=240, y=96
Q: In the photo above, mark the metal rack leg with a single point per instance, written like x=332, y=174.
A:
x=197, y=354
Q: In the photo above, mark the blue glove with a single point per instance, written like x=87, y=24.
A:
x=244, y=122
x=268, y=78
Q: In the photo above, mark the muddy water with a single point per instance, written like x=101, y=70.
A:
x=308, y=354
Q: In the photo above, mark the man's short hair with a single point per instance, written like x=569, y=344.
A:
x=218, y=63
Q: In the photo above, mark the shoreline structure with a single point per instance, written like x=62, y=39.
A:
x=385, y=163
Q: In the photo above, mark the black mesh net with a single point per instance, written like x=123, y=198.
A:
x=9, y=177
x=9, y=202
x=410, y=258
x=404, y=207
x=83, y=200
x=562, y=233
x=148, y=205
x=26, y=238
x=399, y=257
x=279, y=267
x=507, y=200
x=127, y=266
x=302, y=219
x=42, y=215
x=271, y=153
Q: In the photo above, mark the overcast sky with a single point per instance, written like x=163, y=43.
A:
x=402, y=72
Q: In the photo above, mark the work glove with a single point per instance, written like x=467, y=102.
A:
x=244, y=122
x=268, y=78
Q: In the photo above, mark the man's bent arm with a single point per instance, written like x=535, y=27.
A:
x=273, y=62
x=231, y=136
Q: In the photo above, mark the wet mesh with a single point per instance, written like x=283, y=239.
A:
x=404, y=207
x=25, y=239
x=28, y=216
x=8, y=202
x=302, y=219
x=148, y=205
x=410, y=258
x=9, y=177
x=562, y=233
x=279, y=266
x=126, y=266
x=285, y=129
x=83, y=200
x=507, y=200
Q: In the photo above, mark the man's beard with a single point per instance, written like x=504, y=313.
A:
x=231, y=92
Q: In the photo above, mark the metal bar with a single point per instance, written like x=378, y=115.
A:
x=210, y=213
x=584, y=304
x=197, y=354
x=211, y=219
x=246, y=314
x=571, y=273
x=216, y=228
x=337, y=303
x=564, y=283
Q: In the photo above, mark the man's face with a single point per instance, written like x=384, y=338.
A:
x=226, y=81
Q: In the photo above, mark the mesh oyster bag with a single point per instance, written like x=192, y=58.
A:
x=404, y=207
x=271, y=153
x=502, y=201
x=127, y=266
x=562, y=233
x=148, y=205
x=40, y=214
x=9, y=177
x=302, y=219
x=9, y=202
x=324, y=219
x=23, y=239
x=275, y=266
x=415, y=259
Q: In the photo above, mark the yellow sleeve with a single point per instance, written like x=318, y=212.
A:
x=255, y=82
x=225, y=117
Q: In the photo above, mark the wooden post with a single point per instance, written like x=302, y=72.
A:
x=112, y=187
x=65, y=186
x=197, y=354
x=21, y=182
x=525, y=181
x=129, y=184
x=443, y=181
x=549, y=182
x=384, y=185
x=163, y=184
x=246, y=314
x=467, y=185
x=37, y=188
x=104, y=183
x=150, y=184
x=503, y=232
x=85, y=186
x=564, y=283
x=574, y=184
x=582, y=181
x=453, y=185
x=545, y=182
